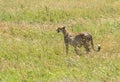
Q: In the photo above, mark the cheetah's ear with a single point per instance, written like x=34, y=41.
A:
x=64, y=27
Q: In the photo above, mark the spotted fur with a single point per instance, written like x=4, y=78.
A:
x=77, y=40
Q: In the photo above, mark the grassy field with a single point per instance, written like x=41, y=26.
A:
x=32, y=51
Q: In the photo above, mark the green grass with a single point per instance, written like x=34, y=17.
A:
x=32, y=51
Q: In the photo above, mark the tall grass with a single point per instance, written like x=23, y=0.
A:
x=56, y=11
x=32, y=51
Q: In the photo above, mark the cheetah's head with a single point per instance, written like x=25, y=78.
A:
x=59, y=29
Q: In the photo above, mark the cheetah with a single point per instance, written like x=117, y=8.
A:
x=77, y=40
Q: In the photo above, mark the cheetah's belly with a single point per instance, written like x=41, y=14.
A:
x=74, y=42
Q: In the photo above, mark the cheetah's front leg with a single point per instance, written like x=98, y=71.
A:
x=67, y=46
x=76, y=50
